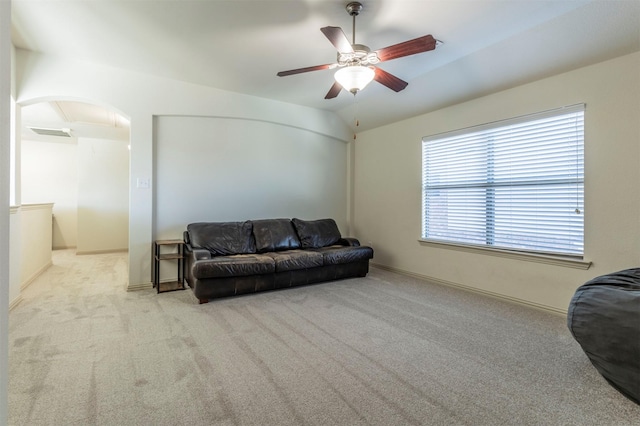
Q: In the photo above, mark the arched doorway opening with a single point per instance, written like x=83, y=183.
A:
x=75, y=154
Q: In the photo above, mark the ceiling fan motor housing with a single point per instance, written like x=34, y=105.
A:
x=354, y=8
x=361, y=55
x=361, y=49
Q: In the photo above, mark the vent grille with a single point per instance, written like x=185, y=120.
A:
x=65, y=133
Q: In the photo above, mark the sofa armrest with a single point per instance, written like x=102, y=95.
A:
x=196, y=253
x=346, y=241
x=200, y=254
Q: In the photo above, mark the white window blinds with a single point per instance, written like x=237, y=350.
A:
x=516, y=184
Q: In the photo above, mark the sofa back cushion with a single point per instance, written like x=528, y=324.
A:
x=275, y=235
x=316, y=233
x=222, y=238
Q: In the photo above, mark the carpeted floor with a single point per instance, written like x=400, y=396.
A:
x=383, y=350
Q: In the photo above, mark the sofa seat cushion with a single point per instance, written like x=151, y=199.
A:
x=222, y=238
x=337, y=255
x=292, y=260
x=316, y=233
x=232, y=266
x=275, y=235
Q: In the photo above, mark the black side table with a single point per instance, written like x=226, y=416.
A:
x=176, y=253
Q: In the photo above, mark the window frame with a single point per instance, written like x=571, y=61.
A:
x=575, y=260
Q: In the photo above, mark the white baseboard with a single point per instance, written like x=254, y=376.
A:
x=63, y=247
x=15, y=302
x=473, y=289
x=35, y=275
x=85, y=252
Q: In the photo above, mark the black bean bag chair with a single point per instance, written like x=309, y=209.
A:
x=604, y=318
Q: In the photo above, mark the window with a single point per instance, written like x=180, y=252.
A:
x=516, y=184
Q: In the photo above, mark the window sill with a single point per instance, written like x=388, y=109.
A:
x=567, y=262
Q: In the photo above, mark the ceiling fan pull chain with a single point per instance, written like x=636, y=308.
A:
x=355, y=115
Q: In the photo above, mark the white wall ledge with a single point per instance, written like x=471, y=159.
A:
x=564, y=261
x=34, y=206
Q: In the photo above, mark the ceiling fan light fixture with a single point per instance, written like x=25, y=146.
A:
x=354, y=78
x=355, y=61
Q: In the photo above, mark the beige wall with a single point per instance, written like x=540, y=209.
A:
x=35, y=241
x=103, y=195
x=387, y=185
x=49, y=173
x=6, y=92
x=141, y=97
x=221, y=169
x=228, y=169
x=15, y=246
x=30, y=246
x=87, y=180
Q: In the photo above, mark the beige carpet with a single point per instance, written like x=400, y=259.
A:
x=381, y=350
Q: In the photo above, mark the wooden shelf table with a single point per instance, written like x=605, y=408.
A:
x=159, y=255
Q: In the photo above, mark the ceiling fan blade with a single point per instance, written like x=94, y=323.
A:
x=410, y=47
x=307, y=69
x=334, y=91
x=337, y=37
x=389, y=80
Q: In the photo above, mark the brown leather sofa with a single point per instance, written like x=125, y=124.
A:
x=232, y=258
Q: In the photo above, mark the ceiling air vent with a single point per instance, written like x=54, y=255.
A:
x=65, y=133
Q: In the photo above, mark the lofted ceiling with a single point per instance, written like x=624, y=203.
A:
x=79, y=118
x=240, y=45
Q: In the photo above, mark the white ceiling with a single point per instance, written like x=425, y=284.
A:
x=240, y=45
x=83, y=119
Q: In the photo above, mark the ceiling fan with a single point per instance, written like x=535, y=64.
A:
x=356, y=61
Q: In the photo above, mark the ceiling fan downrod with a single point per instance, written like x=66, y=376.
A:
x=354, y=8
